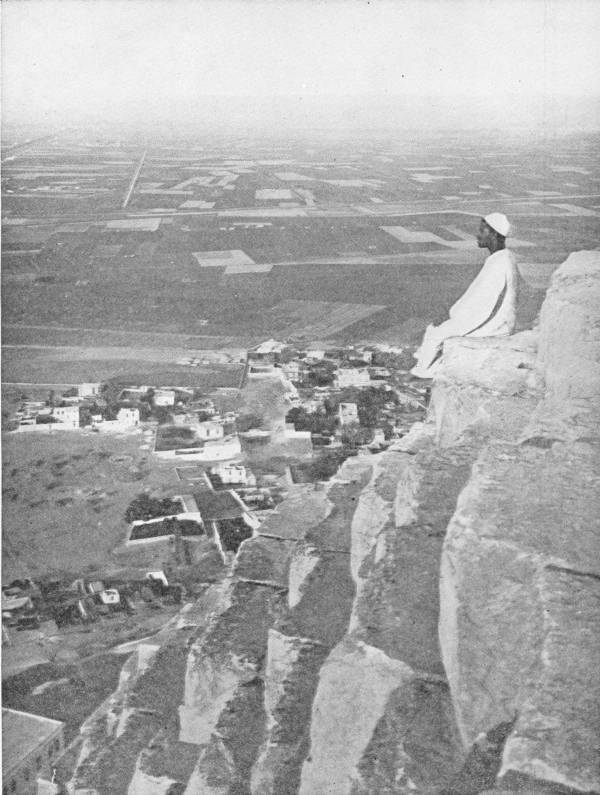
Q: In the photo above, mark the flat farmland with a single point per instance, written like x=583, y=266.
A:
x=171, y=342
x=86, y=263
x=318, y=319
x=69, y=364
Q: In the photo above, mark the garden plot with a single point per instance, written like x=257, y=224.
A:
x=318, y=319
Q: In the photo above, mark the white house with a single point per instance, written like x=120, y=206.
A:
x=294, y=370
x=365, y=354
x=66, y=416
x=209, y=431
x=219, y=450
x=269, y=346
x=128, y=417
x=348, y=413
x=164, y=397
x=234, y=474
x=203, y=404
x=88, y=390
x=352, y=376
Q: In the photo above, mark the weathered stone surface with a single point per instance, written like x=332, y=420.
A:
x=148, y=700
x=569, y=332
x=355, y=684
x=229, y=654
x=214, y=773
x=414, y=747
x=264, y=559
x=303, y=560
x=520, y=568
x=500, y=364
x=485, y=385
x=290, y=681
x=143, y=784
x=556, y=734
x=397, y=602
x=302, y=509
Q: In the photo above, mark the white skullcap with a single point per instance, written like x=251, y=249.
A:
x=499, y=223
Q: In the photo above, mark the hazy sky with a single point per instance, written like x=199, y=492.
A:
x=116, y=57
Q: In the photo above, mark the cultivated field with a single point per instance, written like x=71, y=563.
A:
x=73, y=365
x=318, y=319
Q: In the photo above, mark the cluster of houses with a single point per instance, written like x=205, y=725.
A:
x=77, y=408
x=318, y=378
x=340, y=367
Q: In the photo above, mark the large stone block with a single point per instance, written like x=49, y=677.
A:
x=291, y=677
x=570, y=332
x=555, y=737
x=355, y=684
x=518, y=590
x=484, y=385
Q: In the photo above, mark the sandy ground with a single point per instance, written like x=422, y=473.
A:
x=64, y=499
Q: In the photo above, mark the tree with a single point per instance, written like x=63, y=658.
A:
x=247, y=421
x=145, y=507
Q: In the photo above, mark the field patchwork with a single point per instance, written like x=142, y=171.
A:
x=317, y=319
x=233, y=260
x=274, y=194
x=134, y=224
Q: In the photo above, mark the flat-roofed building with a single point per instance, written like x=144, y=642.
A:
x=31, y=746
x=348, y=414
x=209, y=430
x=164, y=397
x=66, y=416
x=350, y=376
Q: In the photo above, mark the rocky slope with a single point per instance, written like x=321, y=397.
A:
x=341, y=657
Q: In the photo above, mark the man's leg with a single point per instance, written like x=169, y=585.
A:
x=429, y=352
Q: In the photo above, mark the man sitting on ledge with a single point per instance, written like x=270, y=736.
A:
x=487, y=308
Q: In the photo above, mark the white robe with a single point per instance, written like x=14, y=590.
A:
x=486, y=309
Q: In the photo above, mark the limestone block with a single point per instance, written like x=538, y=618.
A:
x=302, y=509
x=497, y=363
x=302, y=562
x=214, y=773
x=396, y=604
x=209, y=686
x=228, y=654
x=372, y=513
x=515, y=620
x=144, y=784
x=264, y=559
x=569, y=331
x=414, y=747
x=484, y=384
x=355, y=684
x=557, y=730
x=291, y=678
